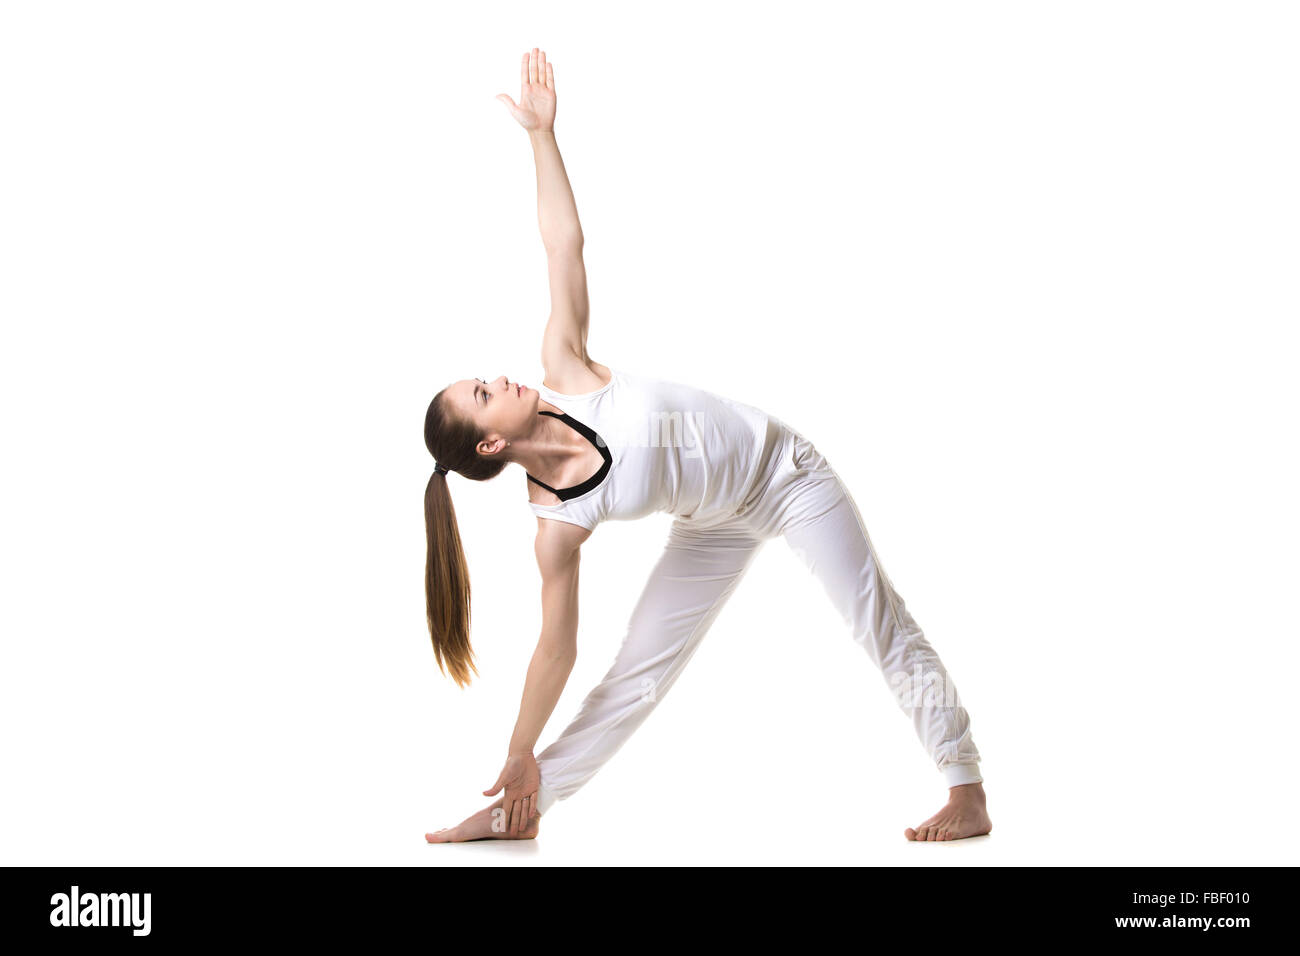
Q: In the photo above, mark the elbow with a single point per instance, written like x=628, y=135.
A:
x=568, y=244
x=559, y=653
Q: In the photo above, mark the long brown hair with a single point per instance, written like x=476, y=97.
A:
x=453, y=443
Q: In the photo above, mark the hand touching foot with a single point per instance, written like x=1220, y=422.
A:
x=488, y=824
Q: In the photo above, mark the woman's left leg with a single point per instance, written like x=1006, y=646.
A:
x=809, y=505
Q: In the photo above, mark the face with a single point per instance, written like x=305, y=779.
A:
x=503, y=409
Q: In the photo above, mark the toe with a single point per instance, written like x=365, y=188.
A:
x=909, y=833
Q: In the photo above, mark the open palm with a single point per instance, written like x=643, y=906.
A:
x=536, y=107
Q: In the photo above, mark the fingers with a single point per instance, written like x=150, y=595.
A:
x=515, y=809
x=495, y=787
x=536, y=69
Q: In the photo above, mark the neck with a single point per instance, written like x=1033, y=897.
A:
x=549, y=448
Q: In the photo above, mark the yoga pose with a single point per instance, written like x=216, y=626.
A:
x=602, y=444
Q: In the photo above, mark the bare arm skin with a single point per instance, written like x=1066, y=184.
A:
x=569, y=369
x=557, y=547
x=558, y=556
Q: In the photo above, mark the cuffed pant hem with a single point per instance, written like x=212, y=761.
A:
x=546, y=798
x=958, y=774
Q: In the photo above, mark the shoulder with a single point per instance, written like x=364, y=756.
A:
x=558, y=543
x=569, y=374
x=538, y=495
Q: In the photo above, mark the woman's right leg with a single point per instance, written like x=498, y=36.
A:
x=693, y=579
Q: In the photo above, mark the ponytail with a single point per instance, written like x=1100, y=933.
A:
x=446, y=584
x=453, y=441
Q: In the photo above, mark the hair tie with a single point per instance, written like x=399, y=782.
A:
x=440, y=469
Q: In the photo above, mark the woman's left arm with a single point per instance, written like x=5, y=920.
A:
x=557, y=216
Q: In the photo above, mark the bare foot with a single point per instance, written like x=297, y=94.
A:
x=964, y=815
x=481, y=826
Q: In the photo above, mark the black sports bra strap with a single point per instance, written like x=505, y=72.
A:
x=545, y=485
x=564, y=494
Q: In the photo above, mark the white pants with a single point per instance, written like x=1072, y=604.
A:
x=798, y=496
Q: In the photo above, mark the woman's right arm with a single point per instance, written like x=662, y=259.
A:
x=558, y=547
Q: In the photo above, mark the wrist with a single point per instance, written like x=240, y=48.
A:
x=520, y=753
x=541, y=134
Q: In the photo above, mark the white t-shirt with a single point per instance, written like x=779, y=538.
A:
x=674, y=448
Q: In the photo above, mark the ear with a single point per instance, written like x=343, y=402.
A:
x=492, y=446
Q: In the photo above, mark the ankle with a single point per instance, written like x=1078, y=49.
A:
x=967, y=791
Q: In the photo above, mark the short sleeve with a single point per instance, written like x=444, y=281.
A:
x=567, y=519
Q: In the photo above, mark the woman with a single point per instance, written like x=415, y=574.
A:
x=602, y=444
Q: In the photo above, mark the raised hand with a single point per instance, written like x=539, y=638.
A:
x=535, y=110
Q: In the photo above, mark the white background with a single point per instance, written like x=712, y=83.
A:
x=1024, y=272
